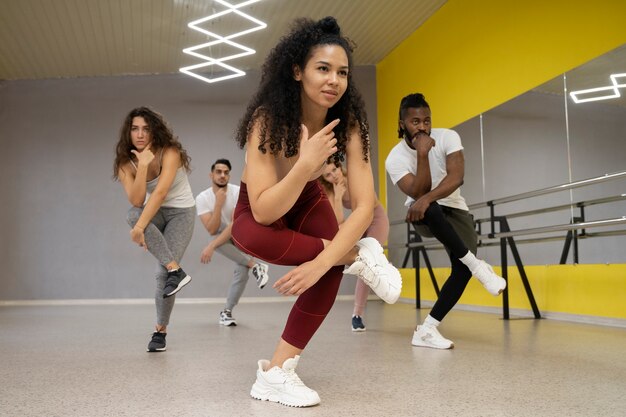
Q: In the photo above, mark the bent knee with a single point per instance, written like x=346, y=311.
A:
x=132, y=216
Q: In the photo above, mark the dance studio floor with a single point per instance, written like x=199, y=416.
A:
x=90, y=360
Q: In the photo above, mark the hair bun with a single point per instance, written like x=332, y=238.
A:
x=329, y=25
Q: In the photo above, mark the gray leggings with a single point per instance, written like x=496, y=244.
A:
x=240, y=276
x=167, y=236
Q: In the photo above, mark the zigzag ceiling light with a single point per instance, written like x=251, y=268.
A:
x=221, y=39
x=612, y=91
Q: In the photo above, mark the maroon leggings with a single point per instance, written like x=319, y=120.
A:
x=294, y=239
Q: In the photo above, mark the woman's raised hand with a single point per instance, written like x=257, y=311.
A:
x=315, y=150
x=144, y=157
x=339, y=188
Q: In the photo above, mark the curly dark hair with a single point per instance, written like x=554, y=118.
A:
x=162, y=138
x=277, y=101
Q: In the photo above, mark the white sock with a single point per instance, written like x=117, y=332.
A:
x=470, y=261
x=431, y=322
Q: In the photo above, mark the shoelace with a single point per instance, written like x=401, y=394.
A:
x=370, y=276
x=488, y=272
x=173, y=279
x=158, y=337
x=292, y=377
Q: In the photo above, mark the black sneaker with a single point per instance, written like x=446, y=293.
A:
x=157, y=344
x=357, y=324
x=176, y=280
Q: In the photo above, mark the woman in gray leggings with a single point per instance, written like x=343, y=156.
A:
x=152, y=166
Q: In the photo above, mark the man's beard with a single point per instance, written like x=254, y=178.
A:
x=221, y=185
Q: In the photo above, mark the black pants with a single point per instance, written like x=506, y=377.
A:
x=454, y=228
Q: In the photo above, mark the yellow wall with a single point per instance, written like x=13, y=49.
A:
x=473, y=55
x=592, y=290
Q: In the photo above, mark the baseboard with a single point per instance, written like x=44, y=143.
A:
x=522, y=313
x=140, y=301
x=514, y=313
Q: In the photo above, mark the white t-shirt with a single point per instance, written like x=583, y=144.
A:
x=402, y=160
x=205, y=203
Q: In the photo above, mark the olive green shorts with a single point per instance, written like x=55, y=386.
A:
x=462, y=222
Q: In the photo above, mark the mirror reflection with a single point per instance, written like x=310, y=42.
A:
x=541, y=139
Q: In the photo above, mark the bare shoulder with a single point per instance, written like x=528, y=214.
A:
x=170, y=152
x=354, y=146
x=171, y=156
x=126, y=170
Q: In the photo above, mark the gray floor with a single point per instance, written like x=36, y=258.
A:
x=91, y=361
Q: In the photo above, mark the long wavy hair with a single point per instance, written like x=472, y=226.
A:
x=277, y=106
x=162, y=138
x=328, y=186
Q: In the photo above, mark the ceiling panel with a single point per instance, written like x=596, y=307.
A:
x=84, y=38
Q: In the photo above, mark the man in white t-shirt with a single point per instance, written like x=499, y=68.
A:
x=215, y=207
x=428, y=166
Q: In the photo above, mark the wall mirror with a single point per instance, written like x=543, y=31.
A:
x=541, y=139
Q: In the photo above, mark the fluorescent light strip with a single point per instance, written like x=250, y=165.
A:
x=232, y=9
x=219, y=40
x=245, y=49
x=614, y=78
x=614, y=88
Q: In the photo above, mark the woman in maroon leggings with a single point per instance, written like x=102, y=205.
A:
x=305, y=112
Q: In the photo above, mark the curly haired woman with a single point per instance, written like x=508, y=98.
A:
x=152, y=166
x=306, y=111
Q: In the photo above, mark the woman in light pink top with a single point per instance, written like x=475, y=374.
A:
x=334, y=181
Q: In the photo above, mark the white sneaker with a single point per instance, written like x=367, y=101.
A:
x=374, y=269
x=282, y=385
x=259, y=271
x=492, y=282
x=428, y=336
x=227, y=319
